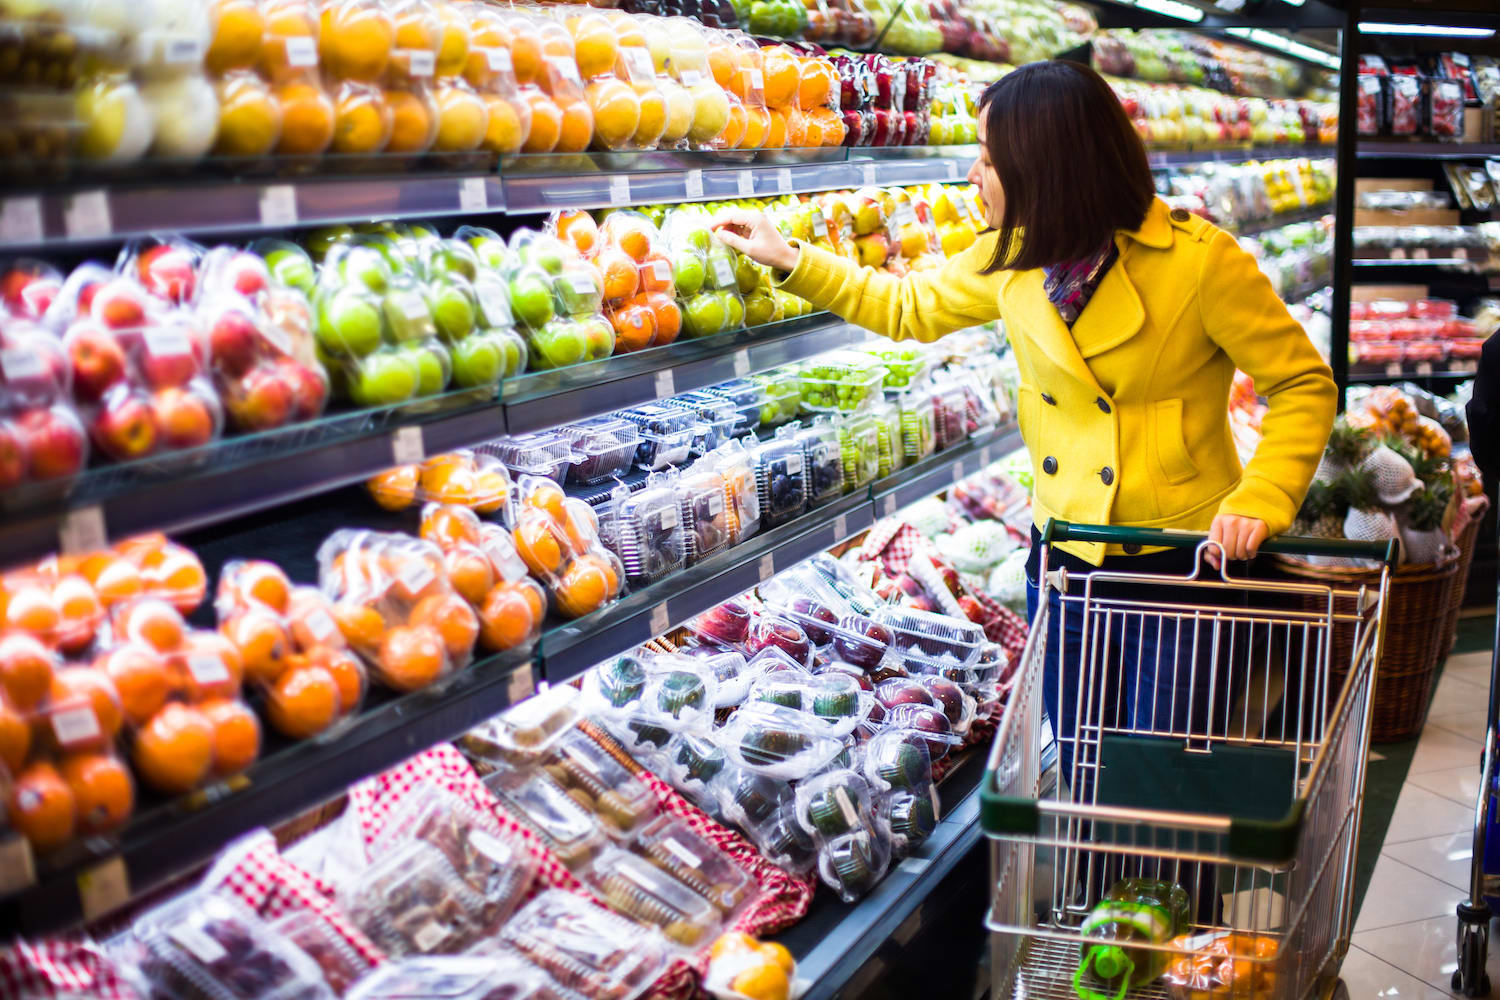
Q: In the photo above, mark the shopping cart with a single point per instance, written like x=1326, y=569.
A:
x=1251, y=797
x=1470, y=977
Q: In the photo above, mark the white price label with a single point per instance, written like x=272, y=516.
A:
x=505, y=558
x=87, y=216
x=206, y=668
x=17, y=364
x=74, y=726
x=321, y=626
x=1460, y=253
x=984, y=456
x=181, y=50
x=278, y=205
x=692, y=183
x=491, y=847
x=522, y=684
x=714, y=505
x=819, y=224
x=840, y=527
x=851, y=817
x=496, y=305
x=660, y=620
x=932, y=796
x=680, y=851
x=279, y=339
x=953, y=170
x=767, y=567
x=103, y=888
x=1470, y=366
x=756, y=79
x=416, y=576
x=888, y=506
x=17, y=866
x=21, y=220
x=690, y=77
x=582, y=284
x=905, y=214
x=81, y=531
x=413, y=306
x=473, y=195
x=407, y=447
x=1396, y=253
x=723, y=272
x=301, y=52
x=638, y=63
x=914, y=866
x=869, y=173
x=784, y=180
x=498, y=60
x=794, y=466
x=197, y=943
x=665, y=386
x=961, y=208
x=747, y=184
x=166, y=341
x=670, y=518
x=421, y=62
x=432, y=933
x=741, y=362
x=566, y=68
x=1419, y=253
x=1424, y=367
x=619, y=190
x=958, y=471
x=1393, y=369
x=661, y=271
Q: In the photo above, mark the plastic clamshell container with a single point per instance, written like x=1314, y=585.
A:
x=890, y=449
x=950, y=415
x=201, y=946
x=620, y=801
x=412, y=902
x=834, y=703
x=587, y=948
x=672, y=845
x=534, y=799
x=840, y=382
x=765, y=809
x=526, y=730
x=731, y=674
x=835, y=803
x=783, y=396
x=614, y=686
x=939, y=736
x=681, y=688
x=911, y=817
x=896, y=760
x=717, y=419
x=705, y=517
x=783, y=591
x=843, y=582
x=650, y=537
x=602, y=449
x=749, y=400
x=666, y=435
x=904, y=365
x=694, y=760
x=777, y=742
x=859, y=450
x=781, y=480
x=852, y=864
x=918, y=425
x=821, y=463
x=931, y=638
x=453, y=977
x=340, y=962
x=951, y=699
x=546, y=454
x=726, y=624
x=641, y=890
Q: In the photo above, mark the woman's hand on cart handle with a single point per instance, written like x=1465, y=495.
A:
x=756, y=236
x=1239, y=536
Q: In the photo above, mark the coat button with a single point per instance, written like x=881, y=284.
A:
x=1131, y=549
x=1047, y=398
x=1180, y=215
x=1103, y=404
x=1107, y=475
x=1049, y=465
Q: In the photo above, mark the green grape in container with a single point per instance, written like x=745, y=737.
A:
x=859, y=450
x=918, y=425
x=889, y=437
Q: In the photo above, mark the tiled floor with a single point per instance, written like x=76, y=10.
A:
x=1403, y=944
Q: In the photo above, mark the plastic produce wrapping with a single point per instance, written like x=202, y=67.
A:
x=558, y=539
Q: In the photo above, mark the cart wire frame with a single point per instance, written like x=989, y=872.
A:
x=1250, y=798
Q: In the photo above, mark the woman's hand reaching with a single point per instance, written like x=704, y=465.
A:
x=756, y=236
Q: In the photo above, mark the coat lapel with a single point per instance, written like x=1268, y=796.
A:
x=1113, y=315
x=1029, y=317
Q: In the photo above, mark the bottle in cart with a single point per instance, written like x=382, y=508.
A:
x=1144, y=910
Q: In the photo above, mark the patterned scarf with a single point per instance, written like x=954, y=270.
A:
x=1071, y=283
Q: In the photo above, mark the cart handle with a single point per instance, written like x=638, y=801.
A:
x=1291, y=545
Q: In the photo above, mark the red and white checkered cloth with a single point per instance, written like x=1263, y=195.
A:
x=63, y=966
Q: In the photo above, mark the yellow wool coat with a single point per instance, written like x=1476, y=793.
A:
x=1126, y=414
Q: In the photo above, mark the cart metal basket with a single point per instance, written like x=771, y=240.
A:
x=1247, y=793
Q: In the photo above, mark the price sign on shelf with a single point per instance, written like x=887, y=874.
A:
x=87, y=216
x=840, y=528
x=747, y=184
x=17, y=866
x=21, y=220
x=82, y=531
x=784, y=180
x=953, y=170
x=741, y=362
x=660, y=619
x=103, y=888
x=869, y=174
x=522, y=684
x=767, y=568
x=473, y=195
x=888, y=506
x=958, y=471
x=407, y=447
x=692, y=184
x=278, y=206
x=619, y=190
x=665, y=385
x=1424, y=367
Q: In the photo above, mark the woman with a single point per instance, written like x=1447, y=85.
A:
x=1128, y=321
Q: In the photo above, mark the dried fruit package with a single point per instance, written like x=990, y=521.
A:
x=291, y=648
x=483, y=567
x=395, y=607
x=558, y=539
x=455, y=977
x=600, y=783
x=587, y=948
x=568, y=829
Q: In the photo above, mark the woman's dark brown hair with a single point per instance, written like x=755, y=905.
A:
x=1071, y=166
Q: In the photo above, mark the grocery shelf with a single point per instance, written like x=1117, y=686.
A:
x=1409, y=263
x=170, y=839
x=548, y=398
x=229, y=478
x=835, y=941
x=1283, y=220
x=1234, y=154
x=1377, y=150
x=1377, y=374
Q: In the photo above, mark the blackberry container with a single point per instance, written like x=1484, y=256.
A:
x=780, y=479
x=716, y=416
x=649, y=534
x=666, y=435
x=821, y=462
x=603, y=449
x=749, y=400
x=705, y=518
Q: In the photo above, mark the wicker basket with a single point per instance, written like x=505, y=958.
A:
x=1419, y=596
x=1467, y=541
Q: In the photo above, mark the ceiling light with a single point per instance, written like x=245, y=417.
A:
x=1281, y=43
x=1172, y=8
x=1295, y=3
x=1387, y=28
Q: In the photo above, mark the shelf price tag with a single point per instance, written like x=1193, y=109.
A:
x=21, y=220
x=692, y=183
x=17, y=867
x=103, y=888
x=870, y=174
x=1424, y=367
x=747, y=184
x=660, y=620
x=840, y=527
x=619, y=189
x=741, y=362
x=914, y=866
x=1393, y=369
x=767, y=568
x=81, y=531
x=522, y=683
x=888, y=505
x=473, y=196
x=407, y=447
x=985, y=457
x=784, y=180
x=665, y=384
x=278, y=205
x=87, y=216
x=958, y=470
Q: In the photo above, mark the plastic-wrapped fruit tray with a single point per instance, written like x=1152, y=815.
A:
x=749, y=400
x=931, y=638
x=840, y=382
x=546, y=454
x=602, y=449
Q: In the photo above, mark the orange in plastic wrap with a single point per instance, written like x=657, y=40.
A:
x=26, y=667
x=576, y=130
x=783, y=77
x=262, y=642
x=508, y=126
x=616, y=110
x=303, y=702
x=395, y=488
x=447, y=524
x=578, y=228
x=174, y=750
x=208, y=666
x=453, y=619
x=411, y=657
x=249, y=116
x=15, y=737
x=288, y=46
x=41, y=807
x=236, y=42
x=362, y=626
x=355, y=39
x=79, y=687
x=31, y=609
x=141, y=678
x=102, y=789
x=510, y=615
x=470, y=572
x=236, y=734
x=347, y=674
x=363, y=120
x=413, y=121
x=151, y=621
x=463, y=118
x=307, y=119
x=264, y=583
x=546, y=123
x=595, y=44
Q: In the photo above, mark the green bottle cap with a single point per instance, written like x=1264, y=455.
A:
x=1110, y=961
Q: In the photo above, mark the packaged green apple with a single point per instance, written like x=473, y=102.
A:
x=361, y=354
x=704, y=273
x=555, y=297
x=411, y=328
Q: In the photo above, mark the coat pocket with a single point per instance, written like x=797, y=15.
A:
x=1171, y=451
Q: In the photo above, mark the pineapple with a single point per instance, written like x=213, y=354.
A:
x=1423, y=539
x=1367, y=520
x=1322, y=513
x=1347, y=447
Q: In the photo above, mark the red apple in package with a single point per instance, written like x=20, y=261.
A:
x=169, y=353
x=186, y=416
x=229, y=269
x=51, y=439
x=97, y=359
x=263, y=359
x=167, y=270
x=123, y=425
x=34, y=368
x=28, y=288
